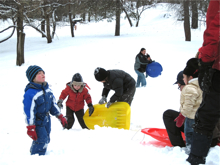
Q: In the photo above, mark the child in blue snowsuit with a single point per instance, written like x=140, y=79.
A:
x=39, y=102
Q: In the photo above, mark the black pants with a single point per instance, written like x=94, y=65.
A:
x=173, y=131
x=208, y=113
x=71, y=119
x=206, y=119
x=128, y=96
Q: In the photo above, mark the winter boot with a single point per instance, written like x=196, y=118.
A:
x=199, y=148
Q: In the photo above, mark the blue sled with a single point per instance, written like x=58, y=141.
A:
x=154, y=69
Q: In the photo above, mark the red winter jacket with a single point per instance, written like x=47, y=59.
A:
x=210, y=50
x=75, y=100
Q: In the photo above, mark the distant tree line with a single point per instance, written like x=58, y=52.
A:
x=48, y=12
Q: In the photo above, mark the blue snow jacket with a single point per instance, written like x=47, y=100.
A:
x=38, y=102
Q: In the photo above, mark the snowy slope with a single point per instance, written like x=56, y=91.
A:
x=96, y=46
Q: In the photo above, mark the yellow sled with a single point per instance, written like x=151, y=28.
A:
x=116, y=116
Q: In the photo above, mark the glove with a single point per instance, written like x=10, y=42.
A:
x=103, y=100
x=59, y=104
x=62, y=120
x=32, y=132
x=91, y=109
x=205, y=75
x=179, y=120
x=108, y=104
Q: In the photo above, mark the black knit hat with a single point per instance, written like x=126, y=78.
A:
x=180, y=78
x=32, y=71
x=77, y=77
x=191, y=68
x=100, y=74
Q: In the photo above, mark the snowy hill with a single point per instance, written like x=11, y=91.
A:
x=94, y=46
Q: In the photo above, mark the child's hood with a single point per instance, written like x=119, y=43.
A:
x=36, y=86
x=69, y=84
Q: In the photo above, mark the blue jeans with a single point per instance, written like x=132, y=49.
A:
x=188, y=130
x=140, y=79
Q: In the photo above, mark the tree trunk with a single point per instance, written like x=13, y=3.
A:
x=20, y=37
x=54, y=24
x=20, y=49
x=118, y=13
x=186, y=21
x=84, y=17
x=129, y=20
x=71, y=22
x=49, y=38
x=89, y=17
x=138, y=19
x=43, y=27
x=194, y=15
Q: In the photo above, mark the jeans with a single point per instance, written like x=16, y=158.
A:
x=140, y=79
x=188, y=130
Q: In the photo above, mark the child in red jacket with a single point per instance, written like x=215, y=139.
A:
x=76, y=93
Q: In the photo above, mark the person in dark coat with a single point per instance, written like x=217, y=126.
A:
x=208, y=114
x=141, y=62
x=119, y=81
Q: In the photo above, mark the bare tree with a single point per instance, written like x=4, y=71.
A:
x=186, y=21
x=18, y=11
x=125, y=5
x=195, y=15
x=118, y=15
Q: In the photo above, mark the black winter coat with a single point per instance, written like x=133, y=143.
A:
x=120, y=82
x=141, y=62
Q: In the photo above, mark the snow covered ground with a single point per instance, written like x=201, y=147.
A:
x=94, y=46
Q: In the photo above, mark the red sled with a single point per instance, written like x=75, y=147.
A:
x=161, y=136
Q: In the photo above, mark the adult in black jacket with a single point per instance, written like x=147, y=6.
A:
x=119, y=81
x=141, y=62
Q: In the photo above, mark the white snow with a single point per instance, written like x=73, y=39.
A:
x=94, y=46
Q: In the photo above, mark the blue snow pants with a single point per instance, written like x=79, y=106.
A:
x=43, y=129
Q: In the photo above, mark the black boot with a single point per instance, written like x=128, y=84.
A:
x=199, y=148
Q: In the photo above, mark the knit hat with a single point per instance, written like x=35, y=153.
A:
x=191, y=68
x=32, y=71
x=77, y=79
x=180, y=78
x=100, y=74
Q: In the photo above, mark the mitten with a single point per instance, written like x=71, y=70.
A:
x=32, y=132
x=91, y=109
x=108, y=104
x=179, y=120
x=59, y=103
x=62, y=120
x=103, y=100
